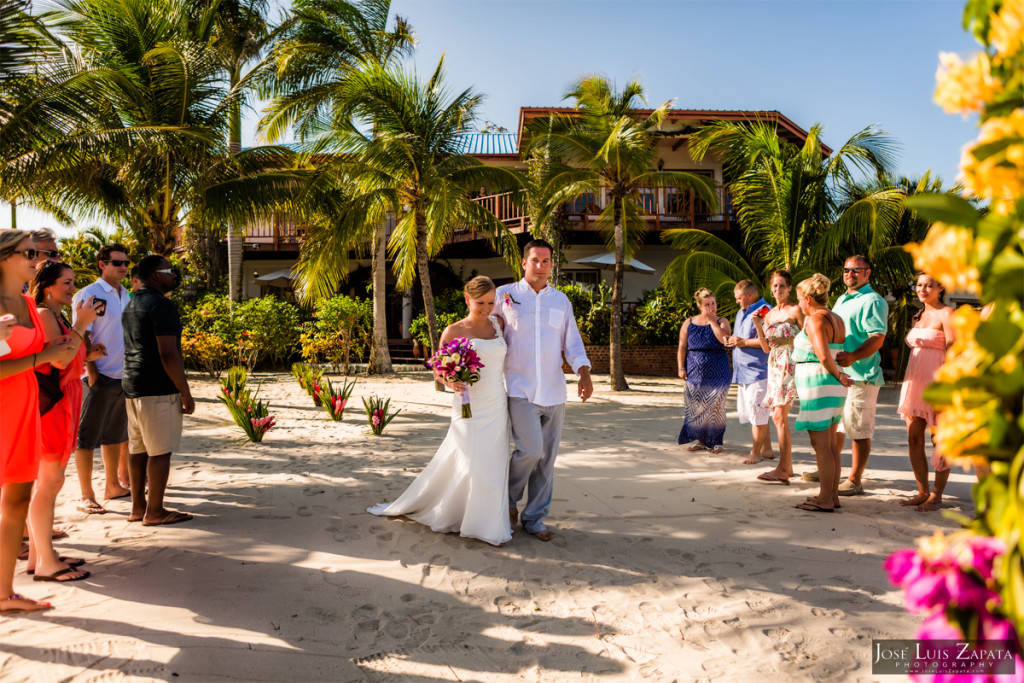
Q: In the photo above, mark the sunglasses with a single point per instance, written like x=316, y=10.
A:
x=169, y=271
x=50, y=253
x=30, y=254
x=854, y=270
x=117, y=263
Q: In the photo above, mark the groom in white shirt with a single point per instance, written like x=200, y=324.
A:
x=539, y=327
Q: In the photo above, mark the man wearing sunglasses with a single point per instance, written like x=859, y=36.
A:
x=104, y=421
x=157, y=390
x=866, y=315
x=46, y=245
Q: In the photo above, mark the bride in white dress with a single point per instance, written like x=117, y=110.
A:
x=464, y=488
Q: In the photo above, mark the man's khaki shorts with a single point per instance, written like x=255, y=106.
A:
x=154, y=424
x=859, y=411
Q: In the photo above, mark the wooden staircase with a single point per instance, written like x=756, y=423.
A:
x=401, y=352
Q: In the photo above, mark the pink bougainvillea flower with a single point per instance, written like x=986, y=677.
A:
x=980, y=553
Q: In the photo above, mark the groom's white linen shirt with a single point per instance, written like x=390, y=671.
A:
x=539, y=327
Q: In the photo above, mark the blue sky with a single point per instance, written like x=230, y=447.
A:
x=845, y=64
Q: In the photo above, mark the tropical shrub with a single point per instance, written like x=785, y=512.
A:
x=979, y=391
x=207, y=352
x=449, y=306
x=656, y=320
x=340, y=330
x=269, y=331
x=593, y=311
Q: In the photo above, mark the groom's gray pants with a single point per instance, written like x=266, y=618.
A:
x=536, y=431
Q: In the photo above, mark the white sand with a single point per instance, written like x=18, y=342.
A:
x=667, y=565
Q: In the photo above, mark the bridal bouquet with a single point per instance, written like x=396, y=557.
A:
x=457, y=361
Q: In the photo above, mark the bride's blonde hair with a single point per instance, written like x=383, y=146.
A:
x=478, y=286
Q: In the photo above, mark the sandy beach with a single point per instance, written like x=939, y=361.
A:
x=666, y=566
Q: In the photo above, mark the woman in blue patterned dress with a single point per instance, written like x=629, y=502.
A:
x=821, y=386
x=704, y=364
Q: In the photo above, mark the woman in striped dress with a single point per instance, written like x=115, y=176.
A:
x=821, y=386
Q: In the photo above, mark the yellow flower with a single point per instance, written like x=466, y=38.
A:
x=947, y=254
x=1007, y=32
x=1000, y=175
x=964, y=87
x=959, y=428
x=933, y=547
x=965, y=358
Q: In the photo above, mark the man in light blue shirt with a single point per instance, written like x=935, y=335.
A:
x=750, y=371
x=104, y=421
x=866, y=315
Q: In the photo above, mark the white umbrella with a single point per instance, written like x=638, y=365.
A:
x=606, y=261
x=279, y=278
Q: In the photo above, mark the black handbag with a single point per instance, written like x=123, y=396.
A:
x=49, y=389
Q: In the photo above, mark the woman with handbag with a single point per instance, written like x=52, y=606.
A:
x=60, y=403
x=20, y=438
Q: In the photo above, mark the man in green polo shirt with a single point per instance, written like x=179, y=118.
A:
x=866, y=315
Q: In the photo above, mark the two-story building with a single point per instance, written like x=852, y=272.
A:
x=271, y=249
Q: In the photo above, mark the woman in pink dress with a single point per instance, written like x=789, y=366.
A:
x=931, y=335
x=20, y=439
x=53, y=288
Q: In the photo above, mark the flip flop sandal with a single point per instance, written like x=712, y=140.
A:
x=716, y=450
x=769, y=478
x=71, y=562
x=696, y=447
x=812, y=507
x=171, y=518
x=63, y=572
x=58, y=534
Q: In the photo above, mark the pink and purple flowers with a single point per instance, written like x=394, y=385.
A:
x=458, y=361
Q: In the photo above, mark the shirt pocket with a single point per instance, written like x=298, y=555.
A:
x=556, y=318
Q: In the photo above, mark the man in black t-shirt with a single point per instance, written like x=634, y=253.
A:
x=156, y=389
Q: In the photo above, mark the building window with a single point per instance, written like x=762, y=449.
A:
x=582, y=277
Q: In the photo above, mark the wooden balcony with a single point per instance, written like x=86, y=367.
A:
x=280, y=234
x=664, y=208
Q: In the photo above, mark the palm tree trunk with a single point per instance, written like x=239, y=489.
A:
x=428, y=292
x=235, y=245
x=617, y=376
x=14, y=215
x=380, y=356
x=236, y=238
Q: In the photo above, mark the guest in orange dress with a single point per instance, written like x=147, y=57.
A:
x=20, y=440
x=931, y=335
x=52, y=289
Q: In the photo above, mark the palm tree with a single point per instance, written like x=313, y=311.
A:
x=893, y=272
x=37, y=99
x=241, y=34
x=608, y=144
x=790, y=203
x=408, y=166
x=152, y=156
x=320, y=46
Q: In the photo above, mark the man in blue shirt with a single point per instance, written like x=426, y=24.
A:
x=750, y=371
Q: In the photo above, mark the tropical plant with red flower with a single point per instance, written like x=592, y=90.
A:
x=378, y=413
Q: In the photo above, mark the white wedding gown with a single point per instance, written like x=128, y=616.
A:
x=464, y=488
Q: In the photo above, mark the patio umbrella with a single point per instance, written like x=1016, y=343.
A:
x=606, y=261
x=279, y=278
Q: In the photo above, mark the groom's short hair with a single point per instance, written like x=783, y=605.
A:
x=537, y=244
